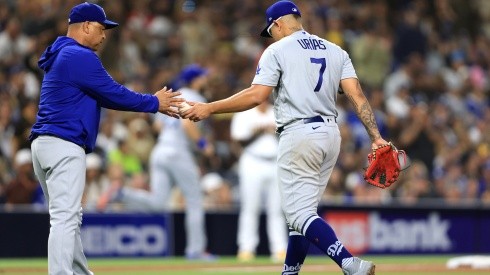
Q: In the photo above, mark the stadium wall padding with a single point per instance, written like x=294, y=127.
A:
x=363, y=230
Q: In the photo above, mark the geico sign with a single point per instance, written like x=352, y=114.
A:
x=363, y=231
x=124, y=239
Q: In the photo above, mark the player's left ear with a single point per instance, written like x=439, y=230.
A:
x=278, y=25
x=86, y=27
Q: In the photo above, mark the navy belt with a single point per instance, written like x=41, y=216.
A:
x=305, y=121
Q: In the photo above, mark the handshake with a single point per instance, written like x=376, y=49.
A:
x=172, y=105
x=194, y=111
x=184, y=106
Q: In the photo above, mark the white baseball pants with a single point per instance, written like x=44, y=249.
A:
x=168, y=167
x=258, y=177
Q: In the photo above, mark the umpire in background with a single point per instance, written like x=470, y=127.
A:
x=74, y=88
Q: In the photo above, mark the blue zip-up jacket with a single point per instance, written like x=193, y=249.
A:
x=74, y=88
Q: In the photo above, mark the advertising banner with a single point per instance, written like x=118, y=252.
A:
x=363, y=230
x=410, y=232
x=127, y=235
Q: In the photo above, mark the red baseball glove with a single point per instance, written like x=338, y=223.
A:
x=384, y=165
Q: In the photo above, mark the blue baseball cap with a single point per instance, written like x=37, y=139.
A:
x=190, y=72
x=90, y=12
x=277, y=10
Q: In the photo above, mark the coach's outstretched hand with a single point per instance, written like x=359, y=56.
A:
x=169, y=102
x=197, y=112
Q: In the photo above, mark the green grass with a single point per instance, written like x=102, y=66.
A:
x=386, y=265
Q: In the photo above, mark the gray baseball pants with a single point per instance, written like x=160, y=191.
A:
x=60, y=168
x=307, y=156
x=169, y=166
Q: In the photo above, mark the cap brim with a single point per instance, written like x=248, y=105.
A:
x=109, y=24
x=264, y=32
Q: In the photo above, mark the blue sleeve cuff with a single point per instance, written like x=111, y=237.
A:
x=156, y=103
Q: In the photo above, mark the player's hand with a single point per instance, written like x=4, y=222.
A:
x=378, y=142
x=197, y=112
x=169, y=102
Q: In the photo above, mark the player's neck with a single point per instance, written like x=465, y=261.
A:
x=292, y=29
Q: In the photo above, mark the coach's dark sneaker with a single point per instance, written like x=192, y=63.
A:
x=356, y=266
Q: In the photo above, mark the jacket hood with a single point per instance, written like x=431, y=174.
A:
x=49, y=55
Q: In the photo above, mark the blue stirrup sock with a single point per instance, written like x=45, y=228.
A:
x=322, y=235
x=296, y=252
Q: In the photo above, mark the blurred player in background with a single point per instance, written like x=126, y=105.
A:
x=255, y=130
x=96, y=182
x=304, y=73
x=172, y=162
x=23, y=186
x=74, y=88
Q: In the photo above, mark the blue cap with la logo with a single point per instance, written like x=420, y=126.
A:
x=92, y=13
x=277, y=10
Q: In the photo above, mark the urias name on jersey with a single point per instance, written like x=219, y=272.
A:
x=312, y=44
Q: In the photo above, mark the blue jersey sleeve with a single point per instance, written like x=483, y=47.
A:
x=92, y=78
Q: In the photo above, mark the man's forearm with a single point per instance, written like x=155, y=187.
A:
x=238, y=102
x=365, y=113
x=367, y=117
x=241, y=101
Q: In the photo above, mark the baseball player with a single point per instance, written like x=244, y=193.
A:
x=255, y=130
x=172, y=162
x=74, y=88
x=304, y=73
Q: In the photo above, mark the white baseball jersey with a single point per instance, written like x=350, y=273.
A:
x=243, y=126
x=306, y=71
x=173, y=133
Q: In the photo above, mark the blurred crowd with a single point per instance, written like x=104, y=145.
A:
x=424, y=65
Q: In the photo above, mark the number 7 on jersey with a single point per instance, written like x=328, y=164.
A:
x=323, y=64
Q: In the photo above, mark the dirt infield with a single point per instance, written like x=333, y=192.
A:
x=213, y=268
